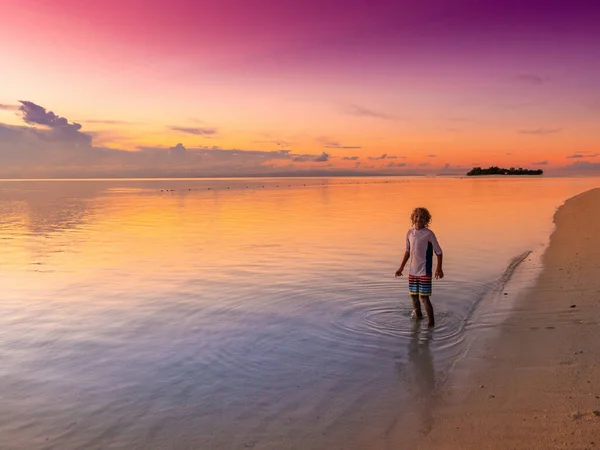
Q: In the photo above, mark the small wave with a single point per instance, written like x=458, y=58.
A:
x=498, y=286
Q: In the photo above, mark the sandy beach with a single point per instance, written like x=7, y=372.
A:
x=537, y=385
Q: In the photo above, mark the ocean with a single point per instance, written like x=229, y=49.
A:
x=248, y=313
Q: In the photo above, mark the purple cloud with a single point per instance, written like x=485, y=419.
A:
x=582, y=155
x=356, y=110
x=36, y=114
x=338, y=145
x=530, y=79
x=540, y=163
x=375, y=158
x=541, y=131
x=196, y=131
x=108, y=122
x=349, y=158
x=63, y=130
x=8, y=107
x=323, y=157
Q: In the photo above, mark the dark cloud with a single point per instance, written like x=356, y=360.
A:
x=432, y=156
x=356, y=110
x=541, y=131
x=8, y=107
x=375, y=158
x=196, y=130
x=322, y=157
x=540, y=163
x=350, y=158
x=534, y=80
x=36, y=114
x=582, y=155
x=62, y=130
x=393, y=164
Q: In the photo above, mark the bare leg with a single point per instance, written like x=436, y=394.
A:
x=428, y=310
x=416, y=306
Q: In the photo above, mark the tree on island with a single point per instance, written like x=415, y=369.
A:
x=495, y=170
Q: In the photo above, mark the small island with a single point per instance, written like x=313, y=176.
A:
x=495, y=170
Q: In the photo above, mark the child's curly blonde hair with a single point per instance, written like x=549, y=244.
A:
x=424, y=212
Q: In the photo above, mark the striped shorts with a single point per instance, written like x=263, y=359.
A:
x=419, y=285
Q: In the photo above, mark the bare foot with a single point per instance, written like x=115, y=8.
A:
x=416, y=315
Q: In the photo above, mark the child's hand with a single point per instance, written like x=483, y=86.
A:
x=399, y=272
x=439, y=273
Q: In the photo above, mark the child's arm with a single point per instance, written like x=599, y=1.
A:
x=439, y=273
x=404, y=260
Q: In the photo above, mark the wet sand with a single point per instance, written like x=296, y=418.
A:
x=537, y=385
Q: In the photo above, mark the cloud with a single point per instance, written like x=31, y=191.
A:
x=61, y=129
x=541, y=131
x=178, y=151
x=356, y=110
x=311, y=158
x=581, y=167
x=278, y=143
x=534, y=80
x=332, y=143
x=36, y=114
x=48, y=145
x=8, y=107
x=108, y=122
x=540, y=163
x=449, y=169
x=582, y=155
x=393, y=164
x=375, y=158
x=338, y=145
x=52, y=146
x=195, y=130
x=432, y=156
x=322, y=157
x=424, y=164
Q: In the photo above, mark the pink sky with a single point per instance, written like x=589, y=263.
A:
x=258, y=87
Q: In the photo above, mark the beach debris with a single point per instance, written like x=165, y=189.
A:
x=572, y=306
x=591, y=414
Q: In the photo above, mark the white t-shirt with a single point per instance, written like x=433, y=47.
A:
x=421, y=244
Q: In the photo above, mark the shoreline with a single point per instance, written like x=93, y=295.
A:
x=536, y=384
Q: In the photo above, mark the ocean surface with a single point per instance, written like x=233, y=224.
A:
x=247, y=313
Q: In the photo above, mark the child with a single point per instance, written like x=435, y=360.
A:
x=421, y=243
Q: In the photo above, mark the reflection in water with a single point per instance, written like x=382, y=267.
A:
x=423, y=386
x=221, y=314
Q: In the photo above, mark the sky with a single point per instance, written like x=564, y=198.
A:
x=269, y=87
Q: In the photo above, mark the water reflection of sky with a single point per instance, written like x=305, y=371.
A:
x=232, y=314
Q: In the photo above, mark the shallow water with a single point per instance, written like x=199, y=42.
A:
x=243, y=313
